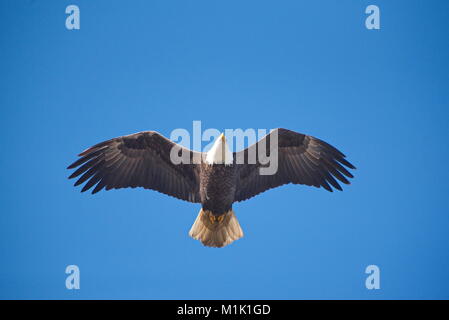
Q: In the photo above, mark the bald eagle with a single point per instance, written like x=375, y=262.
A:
x=217, y=180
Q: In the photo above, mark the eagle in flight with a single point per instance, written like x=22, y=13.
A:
x=216, y=181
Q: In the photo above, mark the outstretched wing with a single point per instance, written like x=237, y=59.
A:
x=137, y=160
x=302, y=159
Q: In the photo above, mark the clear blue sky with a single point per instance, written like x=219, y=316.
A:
x=382, y=97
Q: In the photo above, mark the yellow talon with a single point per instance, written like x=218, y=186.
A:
x=215, y=219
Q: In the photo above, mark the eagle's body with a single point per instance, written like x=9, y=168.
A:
x=217, y=187
x=217, y=181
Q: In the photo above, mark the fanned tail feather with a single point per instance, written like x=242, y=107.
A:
x=216, y=231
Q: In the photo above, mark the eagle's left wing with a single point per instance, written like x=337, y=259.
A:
x=302, y=159
x=138, y=160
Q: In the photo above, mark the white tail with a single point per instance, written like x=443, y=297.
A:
x=216, y=231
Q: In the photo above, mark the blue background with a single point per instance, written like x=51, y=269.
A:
x=380, y=96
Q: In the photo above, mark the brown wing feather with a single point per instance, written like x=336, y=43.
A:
x=302, y=159
x=138, y=160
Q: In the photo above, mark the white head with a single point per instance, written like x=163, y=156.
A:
x=220, y=153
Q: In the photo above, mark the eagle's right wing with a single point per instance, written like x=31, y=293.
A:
x=302, y=159
x=138, y=160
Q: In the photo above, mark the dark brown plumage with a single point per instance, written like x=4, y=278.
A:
x=303, y=159
x=138, y=160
